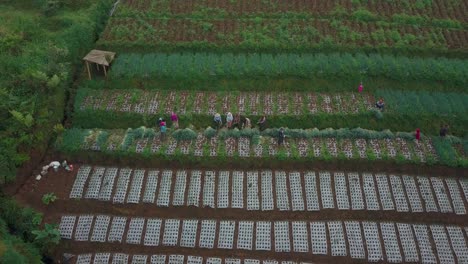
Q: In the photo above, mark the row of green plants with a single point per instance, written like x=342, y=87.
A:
x=124, y=143
x=336, y=65
x=435, y=108
x=275, y=8
x=270, y=84
x=339, y=12
x=282, y=103
x=397, y=101
x=278, y=35
x=423, y=102
x=375, y=120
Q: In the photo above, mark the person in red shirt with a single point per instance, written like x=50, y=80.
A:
x=418, y=134
x=360, y=88
x=175, y=120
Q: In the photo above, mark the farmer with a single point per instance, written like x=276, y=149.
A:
x=281, y=137
x=360, y=88
x=67, y=167
x=443, y=130
x=418, y=134
x=262, y=123
x=246, y=123
x=175, y=120
x=55, y=165
x=159, y=121
x=229, y=119
x=218, y=120
x=162, y=129
x=237, y=121
x=380, y=104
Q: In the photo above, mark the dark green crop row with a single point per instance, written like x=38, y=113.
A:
x=345, y=65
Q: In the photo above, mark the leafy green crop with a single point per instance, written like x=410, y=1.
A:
x=335, y=65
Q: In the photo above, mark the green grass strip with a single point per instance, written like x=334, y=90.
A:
x=309, y=66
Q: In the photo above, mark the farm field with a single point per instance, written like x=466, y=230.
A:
x=298, y=25
x=349, y=183
x=362, y=155
x=164, y=215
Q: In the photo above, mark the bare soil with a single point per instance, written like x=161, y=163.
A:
x=61, y=183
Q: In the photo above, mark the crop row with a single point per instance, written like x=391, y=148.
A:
x=284, y=34
x=269, y=103
x=434, y=8
x=422, y=102
x=336, y=65
x=249, y=143
x=209, y=103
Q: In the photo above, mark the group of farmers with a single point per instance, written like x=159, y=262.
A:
x=239, y=121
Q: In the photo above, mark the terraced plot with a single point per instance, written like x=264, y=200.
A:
x=293, y=191
x=209, y=103
x=300, y=144
x=344, y=239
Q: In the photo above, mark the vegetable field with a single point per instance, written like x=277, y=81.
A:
x=267, y=131
x=439, y=9
x=435, y=26
x=336, y=65
x=208, y=103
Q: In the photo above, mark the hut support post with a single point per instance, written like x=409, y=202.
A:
x=89, y=72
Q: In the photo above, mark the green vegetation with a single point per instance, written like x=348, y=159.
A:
x=16, y=238
x=210, y=65
x=405, y=110
x=48, y=198
x=422, y=102
x=41, y=46
x=47, y=237
x=182, y=148
x=293, y=26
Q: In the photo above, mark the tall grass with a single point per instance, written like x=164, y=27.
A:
x=336, y=65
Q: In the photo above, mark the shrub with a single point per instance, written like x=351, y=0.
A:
x=406, y=135
x=377, y=113
x=184, y=134
x=72, y=139
x=227, y=133
x=48, y=198
x=364, y=15
x=210, y=132
x=249, y=132
x=21, y=221
x=48, y=236
x=128, y=139
x=102, y=138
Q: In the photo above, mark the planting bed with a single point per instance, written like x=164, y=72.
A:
x=436, y=8
x=253, y=144
x=255, y=216
x=288, y=25
x=208, y=103
x=202, y=195
x=293, y=34
x=309, y=191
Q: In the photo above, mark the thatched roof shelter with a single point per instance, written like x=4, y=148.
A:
x=99, y=57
